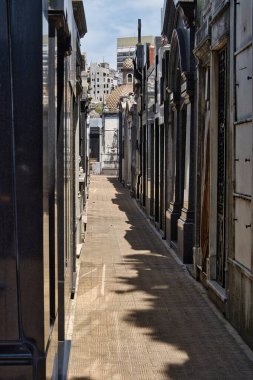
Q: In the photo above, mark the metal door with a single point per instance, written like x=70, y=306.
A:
x=157, y=165
x=221, y=169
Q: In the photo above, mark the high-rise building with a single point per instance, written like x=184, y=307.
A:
x=103, y=80
x=126, y=48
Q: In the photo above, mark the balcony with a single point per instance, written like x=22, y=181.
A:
x=218, y=6
x=202, y=33
x=79, y=16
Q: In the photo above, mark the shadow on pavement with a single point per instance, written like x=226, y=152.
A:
x=171, y=310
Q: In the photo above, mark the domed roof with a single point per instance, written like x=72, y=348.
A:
x=113, y=99
x=128, y=64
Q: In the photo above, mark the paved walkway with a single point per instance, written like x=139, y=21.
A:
x=139, y=315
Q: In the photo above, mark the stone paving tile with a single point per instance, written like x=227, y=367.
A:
x=139, y=315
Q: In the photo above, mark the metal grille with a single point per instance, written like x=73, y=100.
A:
x=221, y=173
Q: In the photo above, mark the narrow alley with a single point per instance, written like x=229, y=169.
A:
x=139, y=314
x=126, y=190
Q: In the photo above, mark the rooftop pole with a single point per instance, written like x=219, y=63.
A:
x=139, y=31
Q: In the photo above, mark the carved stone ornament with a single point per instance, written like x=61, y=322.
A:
x=187, y=10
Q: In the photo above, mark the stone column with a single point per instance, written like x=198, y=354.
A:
x=186, y=220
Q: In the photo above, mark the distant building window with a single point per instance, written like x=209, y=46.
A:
x=129, y=78
x=97, y=79
x=98, y=91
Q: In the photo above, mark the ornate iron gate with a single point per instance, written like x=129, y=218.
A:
x=221, y=169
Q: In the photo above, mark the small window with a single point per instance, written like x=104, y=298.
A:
x=129, y=78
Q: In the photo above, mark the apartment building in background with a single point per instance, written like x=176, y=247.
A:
x=126, y=47
x=103, y=80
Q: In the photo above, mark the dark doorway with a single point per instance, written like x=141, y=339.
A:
x=94, y=144
x=157, y=171
x=152, y=175
x=221, y=169
x=144, y=166
x=162, y=180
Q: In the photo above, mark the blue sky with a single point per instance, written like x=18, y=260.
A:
x=109, y=19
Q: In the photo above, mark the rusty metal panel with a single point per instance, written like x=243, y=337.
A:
x=243, y=231
x=243, y=159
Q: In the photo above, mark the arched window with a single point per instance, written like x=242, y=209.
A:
x=129, y=78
